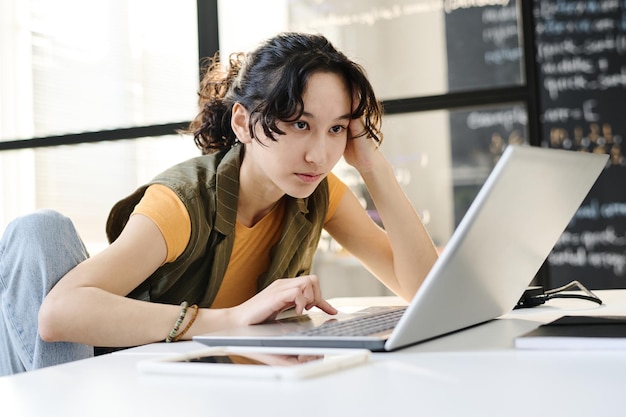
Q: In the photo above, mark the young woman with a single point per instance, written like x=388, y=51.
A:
x=225, y=239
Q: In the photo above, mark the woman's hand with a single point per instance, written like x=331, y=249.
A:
x=303, y=293
x=361, y=150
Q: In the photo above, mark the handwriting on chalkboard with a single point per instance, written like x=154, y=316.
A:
x=579, y=8
x=580, y=257
x=393, y=11
x=571, y=65
x=586, y=112
x=506, y=118
x=501, y=32
x=600, y=246
x=591, y=248
x=375, y=14
x=580, y=54
x=595, y=210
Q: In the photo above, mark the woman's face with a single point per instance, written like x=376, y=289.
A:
x=300, y=159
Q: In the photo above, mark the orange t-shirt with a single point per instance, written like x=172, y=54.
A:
x=251, y=249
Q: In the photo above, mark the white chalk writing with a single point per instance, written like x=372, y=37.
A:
x=452, y=5
x=579, y=257
x=601, y=249
x=505, y=118
x=595, y=210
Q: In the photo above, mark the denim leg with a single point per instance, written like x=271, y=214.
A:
x=36, y=250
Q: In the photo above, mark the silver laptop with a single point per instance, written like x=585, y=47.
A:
x=502, y=241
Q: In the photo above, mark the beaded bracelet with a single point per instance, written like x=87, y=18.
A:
x=181, y=317
x=188, y=326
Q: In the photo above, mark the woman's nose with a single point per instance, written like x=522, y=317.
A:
x=316, y=152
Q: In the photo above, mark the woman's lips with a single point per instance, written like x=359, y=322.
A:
x=309, y=177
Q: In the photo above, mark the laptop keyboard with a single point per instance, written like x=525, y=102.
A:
x=358, y=326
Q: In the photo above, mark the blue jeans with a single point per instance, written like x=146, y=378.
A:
x=35, y=252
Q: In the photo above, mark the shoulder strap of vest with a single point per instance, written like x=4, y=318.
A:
x=118, y=217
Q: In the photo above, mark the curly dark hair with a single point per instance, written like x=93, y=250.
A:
x=269, y=82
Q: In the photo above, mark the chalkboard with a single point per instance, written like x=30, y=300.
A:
x=483, y=45
x=478, y=139
x=581, y=47
x=483, y=51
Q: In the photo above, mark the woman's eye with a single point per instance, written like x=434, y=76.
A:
x=337, y=129
x=300, y=125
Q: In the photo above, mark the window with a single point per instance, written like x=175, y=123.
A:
x=107, y=65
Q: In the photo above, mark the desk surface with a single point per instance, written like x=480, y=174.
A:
x=475, y=372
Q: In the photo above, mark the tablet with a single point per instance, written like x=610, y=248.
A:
x=262, y=362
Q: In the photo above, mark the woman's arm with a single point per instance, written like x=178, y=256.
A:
x=402, y=254
x=88, y=305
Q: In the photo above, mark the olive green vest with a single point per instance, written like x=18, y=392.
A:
x=208, y=187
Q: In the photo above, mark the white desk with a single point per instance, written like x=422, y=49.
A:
x=475, y=372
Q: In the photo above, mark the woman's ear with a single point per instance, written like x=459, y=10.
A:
x=239, y=123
